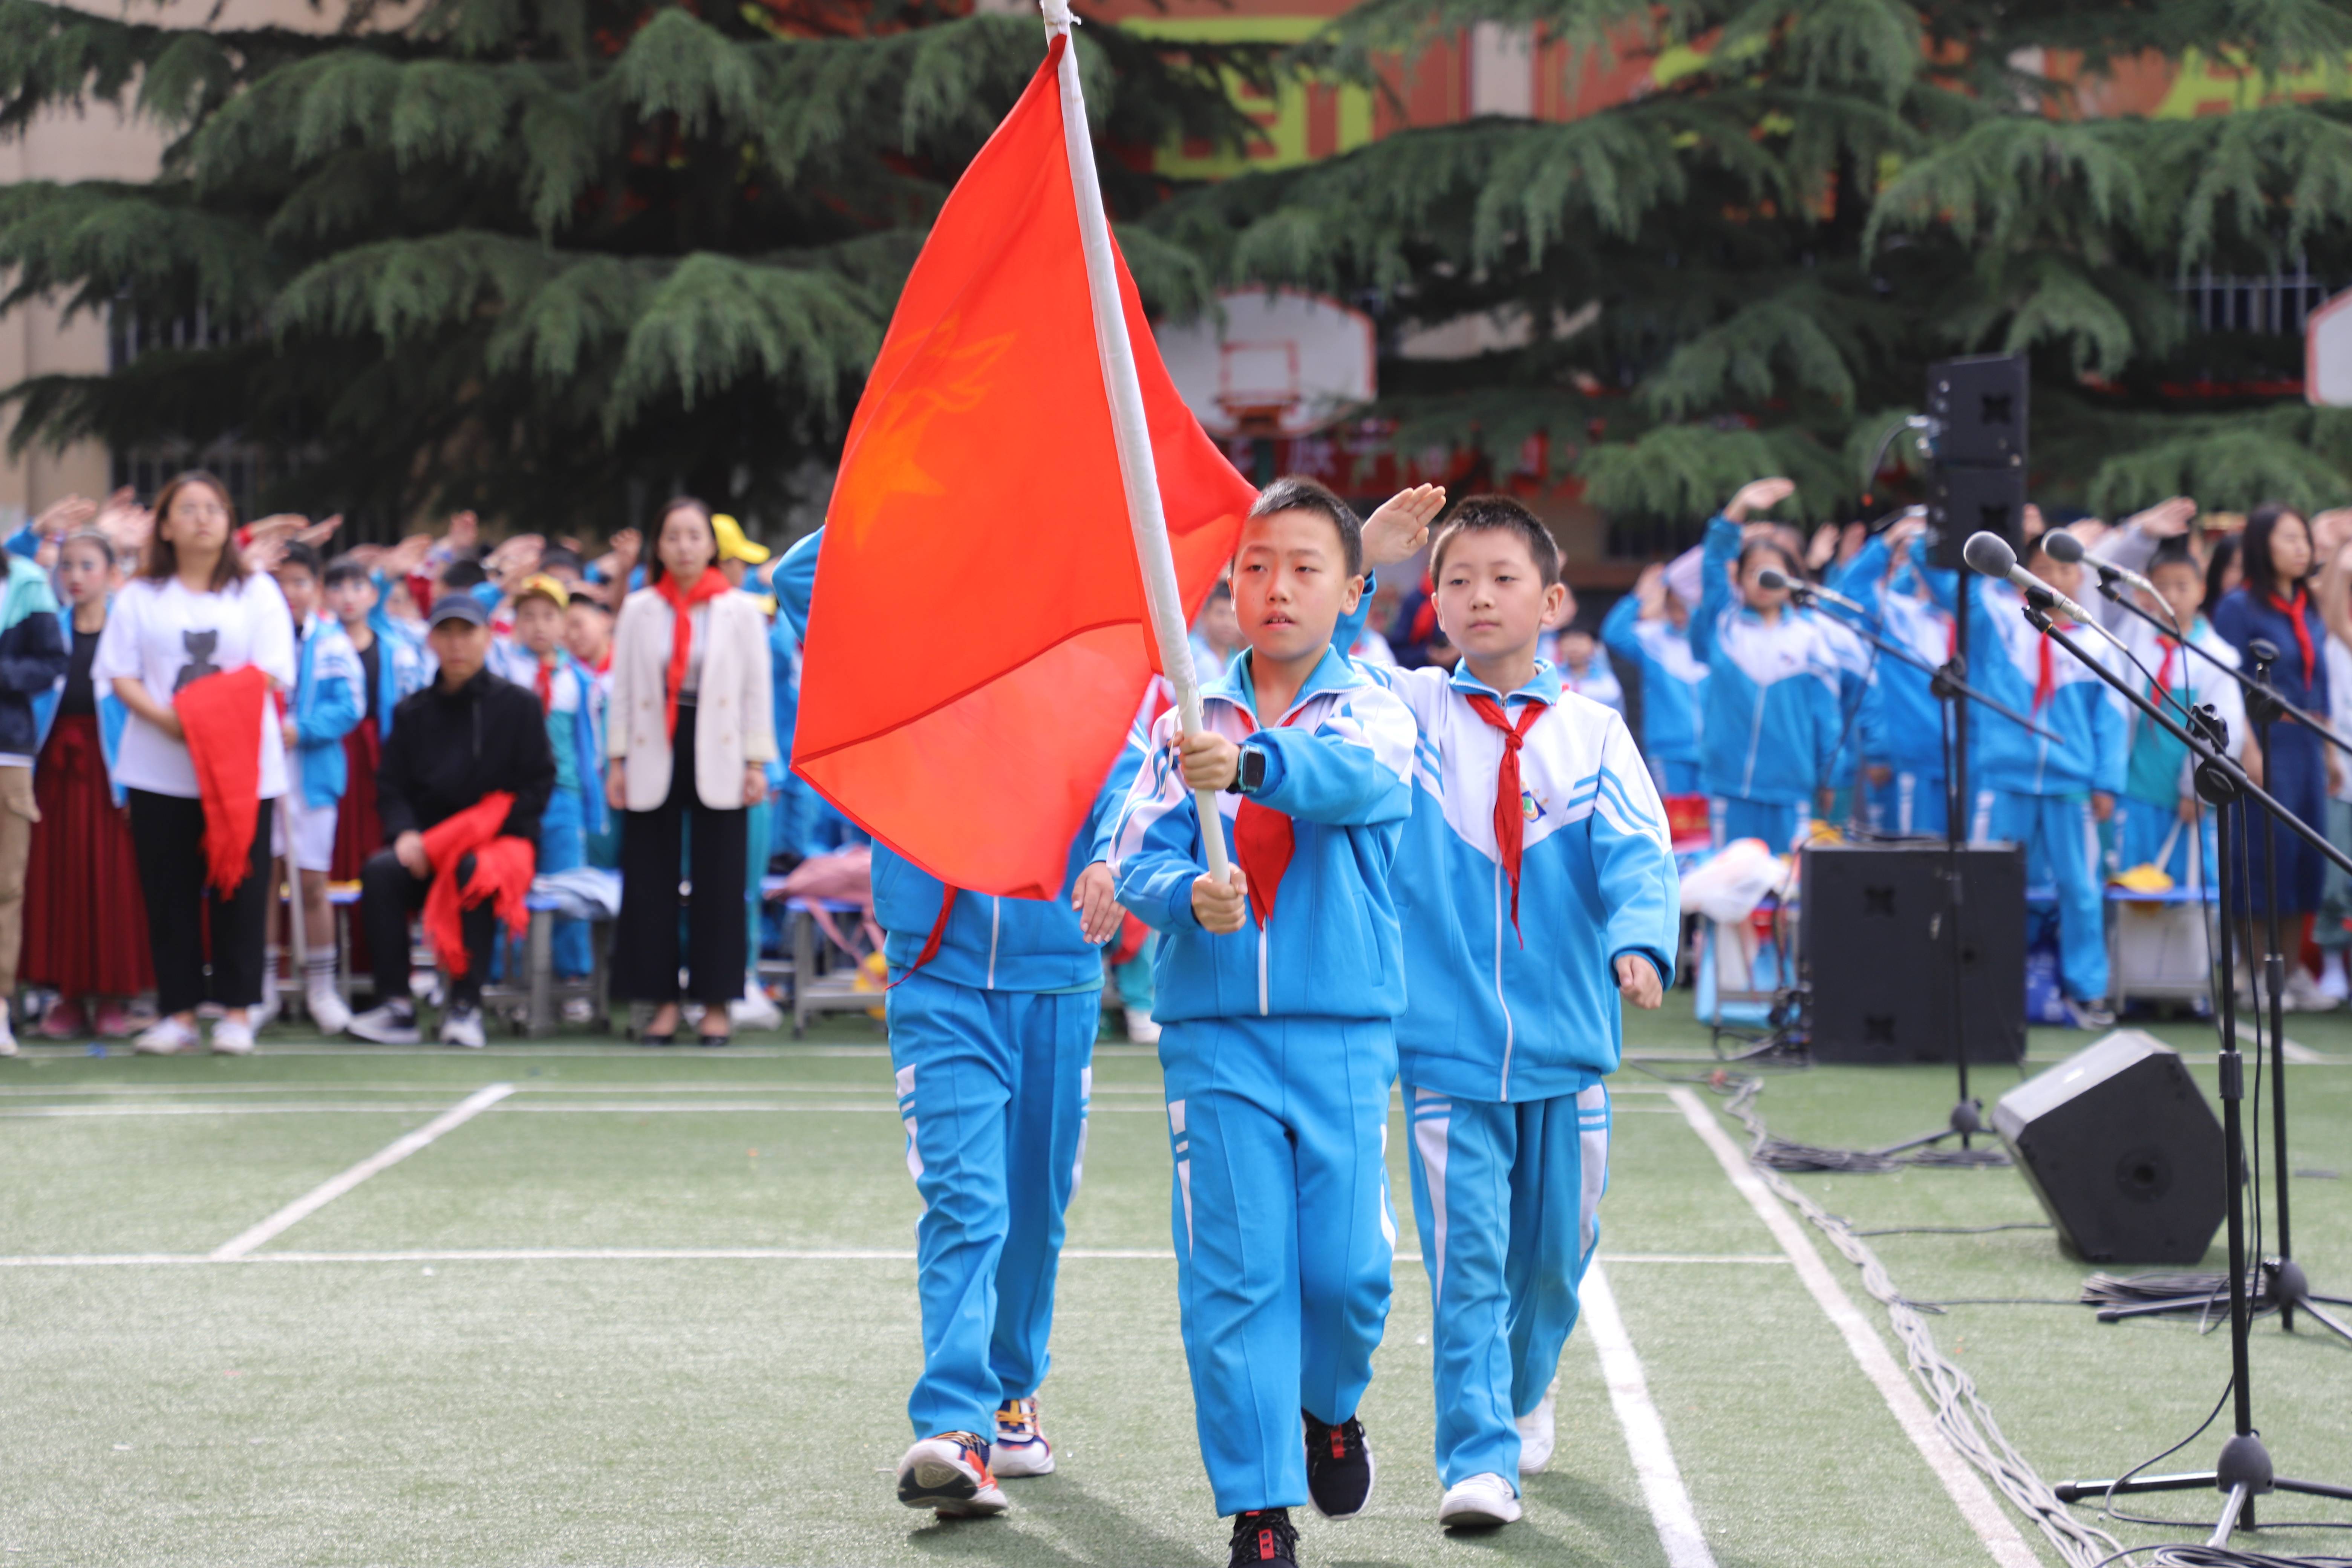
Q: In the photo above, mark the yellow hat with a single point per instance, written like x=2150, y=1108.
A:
x=540, y=582
x=732, y=545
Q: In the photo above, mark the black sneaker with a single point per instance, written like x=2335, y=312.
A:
x=1339, y=1468
x=1263, y=1536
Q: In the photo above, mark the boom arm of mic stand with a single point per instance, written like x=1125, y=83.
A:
x=2203, y=753
x=2259, y=689
x=1906, y=656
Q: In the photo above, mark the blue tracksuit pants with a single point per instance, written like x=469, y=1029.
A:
x=992, y=1087
x=2062, y=859
x=1285, y=1236
x=2147, y=834
x=1509, y=1198
x=1912, y=801
x=564, y=847
x=1778, y=824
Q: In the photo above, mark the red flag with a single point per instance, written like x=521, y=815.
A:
x=978, y=643
x=222, y=715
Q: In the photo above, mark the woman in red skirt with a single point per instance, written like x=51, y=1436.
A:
x=85, y=919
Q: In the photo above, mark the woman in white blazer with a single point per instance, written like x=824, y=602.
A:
x=690, y=730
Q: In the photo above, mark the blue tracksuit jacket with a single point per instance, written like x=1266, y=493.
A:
x=1337, y=763
x=1772, y=717
x=1674, y=682
x=1491, y=1013
x=328, y=697
x=2005, y=663
x=403, y=664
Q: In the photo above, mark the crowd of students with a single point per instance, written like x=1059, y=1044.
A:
x=137, y=796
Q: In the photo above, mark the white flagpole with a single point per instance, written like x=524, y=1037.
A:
x=1138, y=475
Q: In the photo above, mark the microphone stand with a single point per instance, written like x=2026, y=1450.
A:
x=1950, y=689
x=2257, y=691
x=2289, y=1286
x=2244, y=1469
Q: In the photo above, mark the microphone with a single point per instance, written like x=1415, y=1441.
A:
x=1772, y=578
x=1989, y=555
x=2061, y=545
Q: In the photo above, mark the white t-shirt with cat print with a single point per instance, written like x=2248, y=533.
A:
x=165, y=635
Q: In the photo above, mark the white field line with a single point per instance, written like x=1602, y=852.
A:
x=879, y=1108
x=391, y=1154
x=1961, y=1482
x=1646, y=1435
x=164, y=1092
x=705, y=1254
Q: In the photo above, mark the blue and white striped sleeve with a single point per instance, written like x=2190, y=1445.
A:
x=1155, y=854
x=1352, y=769
x=1634, y=858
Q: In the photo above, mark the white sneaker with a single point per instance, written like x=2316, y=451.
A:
x=2088, y=1015
x=1140, y=1029
x=2334, y=983
x=7, y=1032
x=326, y=1008
x=1480, y=1502
x=753, y=1010
x=392, y=1024
x=231, y=1038
x=167, y=1036
x=1020, y=1448
x=261, y=1017
x=1536, y=1436
x=947, y=1474
x=2304, y=994
x=462, y=1026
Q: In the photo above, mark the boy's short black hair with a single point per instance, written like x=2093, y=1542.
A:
x=461, y=574
x=303, y=556
x=1296, y=493
x=586, y=601
x=555, y=557
x=1499, y=514
x=2175, y=553
x=345, y=569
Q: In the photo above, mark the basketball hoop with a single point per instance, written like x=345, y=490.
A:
x=1282, y=362
x=2326, y=354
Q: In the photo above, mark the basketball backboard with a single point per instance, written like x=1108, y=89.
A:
x=2327, y=353
x=1282, y=363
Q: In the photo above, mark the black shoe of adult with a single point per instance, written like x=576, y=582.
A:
x=1264, y=1538
x=1339, y=1468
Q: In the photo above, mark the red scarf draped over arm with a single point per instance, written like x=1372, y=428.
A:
x=221, y=716
x=682, y=601
x=503, y=868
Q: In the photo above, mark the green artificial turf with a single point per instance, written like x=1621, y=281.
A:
x=748, y=1410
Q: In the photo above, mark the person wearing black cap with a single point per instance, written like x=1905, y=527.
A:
x=465, y=736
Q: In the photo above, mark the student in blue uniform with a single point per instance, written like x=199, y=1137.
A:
x=2159, y=818
x=1277, y=995
x=329, y=699
x=2050, y=795
x=1538, y=879
x=1772, y=717
x=536, y=659
x=1901, y=728
x=992, y=1011
x=1649, y=630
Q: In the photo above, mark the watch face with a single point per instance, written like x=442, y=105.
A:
x=1252, y=769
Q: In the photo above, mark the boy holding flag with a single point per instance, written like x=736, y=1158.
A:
x=1277, y=995
x=1538, y=879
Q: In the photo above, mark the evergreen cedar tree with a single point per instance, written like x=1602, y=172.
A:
x=522, y=254
x=552, y=259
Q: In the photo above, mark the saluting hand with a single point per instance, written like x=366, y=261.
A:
x=1400, y=526
x=1220, y=909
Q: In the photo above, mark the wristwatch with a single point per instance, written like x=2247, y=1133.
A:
x=1249, y=775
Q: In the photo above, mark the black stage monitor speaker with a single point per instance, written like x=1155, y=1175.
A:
x=1878, y=958
x=1962, y=501
x=1979, y=404
x=2122, y=1151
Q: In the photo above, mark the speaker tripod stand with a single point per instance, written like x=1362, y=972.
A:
x=2244, y=1471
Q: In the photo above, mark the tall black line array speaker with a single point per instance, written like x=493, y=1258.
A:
x=2122, y=1151
x=1979, y=410
x=1878, y=962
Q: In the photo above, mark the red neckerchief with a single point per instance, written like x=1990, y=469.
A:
x=2164, y=670
x=682, y=601
x=543, y=682
x=1510, y=817
x=2045, y=681
x=2293, y=611
x=1262, y=841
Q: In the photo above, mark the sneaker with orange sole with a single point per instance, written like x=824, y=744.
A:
x=949, y=1475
